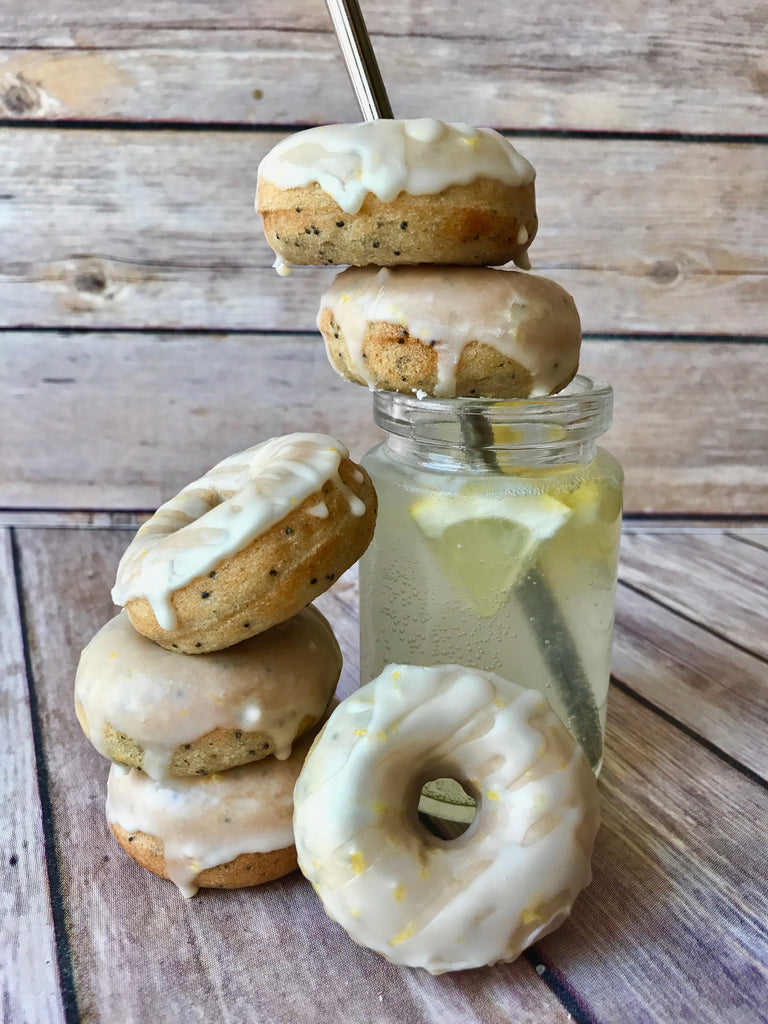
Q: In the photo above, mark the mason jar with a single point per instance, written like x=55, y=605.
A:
x=496, y=544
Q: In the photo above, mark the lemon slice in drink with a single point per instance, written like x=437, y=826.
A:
x=447, y=799
x=484, y=543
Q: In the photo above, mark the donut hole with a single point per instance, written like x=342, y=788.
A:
x=446, y=808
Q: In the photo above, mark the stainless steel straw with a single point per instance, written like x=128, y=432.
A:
x=534, y=593
x=359, y=58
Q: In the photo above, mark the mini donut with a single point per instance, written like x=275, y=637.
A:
x=451, y=331
x=392, y=192
x=223, y=831
x=395, y=887
x=247, y=545
x=145, y=707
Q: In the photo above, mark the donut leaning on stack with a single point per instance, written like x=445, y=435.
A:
x=206, y=749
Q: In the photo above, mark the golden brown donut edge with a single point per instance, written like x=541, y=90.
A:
x=273, y=577
x=215, y=751
x=247, y=869
x=397, y=361
x=478, y=224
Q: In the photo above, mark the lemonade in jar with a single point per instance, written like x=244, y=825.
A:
x=496, y=544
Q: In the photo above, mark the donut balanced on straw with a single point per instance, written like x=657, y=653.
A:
x=421, y=212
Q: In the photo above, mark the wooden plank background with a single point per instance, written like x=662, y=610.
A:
x=129, y=142
x=609, y=67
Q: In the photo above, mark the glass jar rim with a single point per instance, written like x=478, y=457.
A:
x=582, y=410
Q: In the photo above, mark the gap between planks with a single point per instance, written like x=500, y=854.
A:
x=35, y=963
x=752, y=527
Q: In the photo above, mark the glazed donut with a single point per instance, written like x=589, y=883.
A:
x=451, y=331
x=247, y=545
x=390, y=192
x=395, y=887
x=145, y=707
x=223, y=831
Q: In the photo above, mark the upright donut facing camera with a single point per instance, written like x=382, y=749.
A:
x=418, y=900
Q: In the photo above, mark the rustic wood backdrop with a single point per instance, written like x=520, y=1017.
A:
x=144, y=334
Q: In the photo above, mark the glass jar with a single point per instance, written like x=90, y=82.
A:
x=496, y=544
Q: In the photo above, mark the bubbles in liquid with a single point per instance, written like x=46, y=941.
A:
x=413, y=613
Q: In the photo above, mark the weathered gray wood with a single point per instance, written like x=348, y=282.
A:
x=29, y=982
x=709, y=577
x=690, y=423
x=758, y=537
x=683, y=69
x=47, y=519
x=687, y=27
x=100, y=421
x=156, y=228
x=680, y=68
x=124, y=422
x=673, y=927
x=715, y=689
x=261, y=954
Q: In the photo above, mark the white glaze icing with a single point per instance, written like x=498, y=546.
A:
x=416, y=899
x=207, y=821
x=387, y=157
x=222, y=512
x=523, y=316
x=162, y=700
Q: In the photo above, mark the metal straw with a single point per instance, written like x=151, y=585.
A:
x=534, y=593
x=359, y=58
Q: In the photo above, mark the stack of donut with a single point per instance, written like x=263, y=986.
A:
x=207, y=689
x=421, y=212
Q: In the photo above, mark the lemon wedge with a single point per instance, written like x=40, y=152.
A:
x=447, y=799
x=484, y=543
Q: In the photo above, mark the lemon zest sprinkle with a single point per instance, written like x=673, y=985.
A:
x=533, y=909
x=406, y=933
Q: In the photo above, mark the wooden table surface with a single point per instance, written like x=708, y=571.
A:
x=673, y=928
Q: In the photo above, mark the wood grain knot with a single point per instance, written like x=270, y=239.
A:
x=21, y=97
x=91, y=278
x=665, y=272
